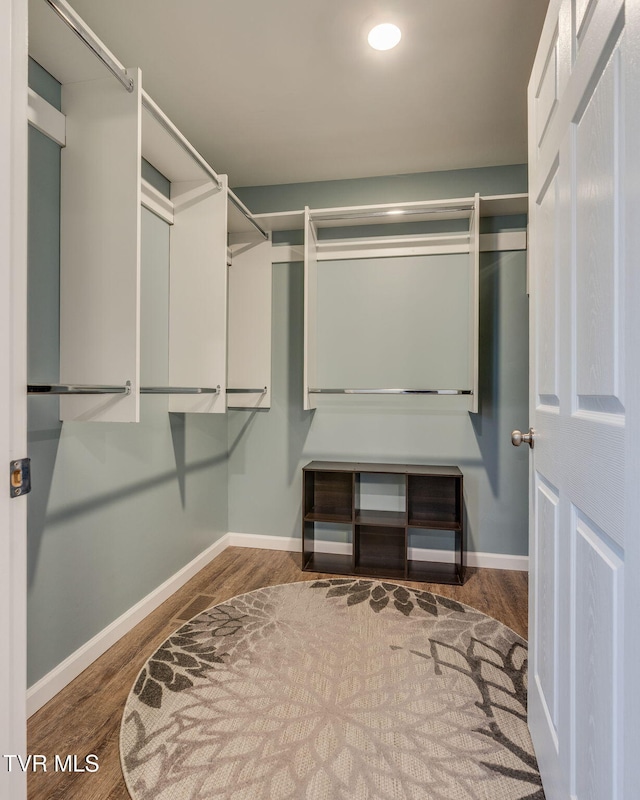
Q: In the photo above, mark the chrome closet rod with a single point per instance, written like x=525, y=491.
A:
x=247, y=391
x=179, y=390
x=77, y=25
x=74, y=388
x=390, y=391
x=154, y=109
x=237, y=202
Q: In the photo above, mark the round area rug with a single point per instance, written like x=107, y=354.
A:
x=340, y=689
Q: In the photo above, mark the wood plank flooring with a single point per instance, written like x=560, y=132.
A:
x=85, y=717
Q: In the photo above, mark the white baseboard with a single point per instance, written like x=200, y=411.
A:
x=293, y=544
x=54, y=681
x=262, y=542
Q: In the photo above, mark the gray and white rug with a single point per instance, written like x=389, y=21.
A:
x=333, y=690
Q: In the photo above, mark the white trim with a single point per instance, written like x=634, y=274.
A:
x=262, y=542
x=293, y=544
x=155, y=201
x=13, y=377
x=47, y=119
x=489, y=243
x=54, y=681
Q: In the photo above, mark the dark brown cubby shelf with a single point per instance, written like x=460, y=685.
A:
x=380, y=538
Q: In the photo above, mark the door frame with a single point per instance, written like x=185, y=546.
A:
x=13, y=379
x=631, y=243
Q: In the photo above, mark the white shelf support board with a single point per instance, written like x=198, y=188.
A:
x=156, y=202
x=198, y=294
x=100, y=247
x=249, y=324
x=47, y=119
x=310, y=373
x=474, y=303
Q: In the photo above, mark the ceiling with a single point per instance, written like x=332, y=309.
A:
x=284, y=91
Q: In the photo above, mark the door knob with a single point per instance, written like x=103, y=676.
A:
x=517, y=438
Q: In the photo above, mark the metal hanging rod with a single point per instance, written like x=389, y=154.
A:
x=71, y=388
x=78, y=26
x=158, y=114
x=179, y=390
x=398, y=214
x=390, y=391
x=237, y=202
x=247, y=391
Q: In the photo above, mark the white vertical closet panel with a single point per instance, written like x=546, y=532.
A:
x=198, y=294
x=310, y=377
x=100, y=247
x=249, y=328
x=474, y=302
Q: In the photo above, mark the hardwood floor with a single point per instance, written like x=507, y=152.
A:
x=84, y=718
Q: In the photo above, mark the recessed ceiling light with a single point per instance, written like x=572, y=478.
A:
x=384, y=37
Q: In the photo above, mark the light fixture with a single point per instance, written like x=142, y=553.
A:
x=384, y=37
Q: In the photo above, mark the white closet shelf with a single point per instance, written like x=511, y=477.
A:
x=504, y=205
x=278, y=221
x=390, y=213
x=370, y=247
x=490, y=206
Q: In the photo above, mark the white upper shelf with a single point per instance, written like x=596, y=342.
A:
x=490, y=206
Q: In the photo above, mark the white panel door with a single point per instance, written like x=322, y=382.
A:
x=13, y=378
x=581, y=194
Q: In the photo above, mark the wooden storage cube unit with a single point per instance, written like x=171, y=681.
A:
x=328, y=496
x=449, y=566
x=380, y=550
x=434, y=501
x=317, y=560
x=435, y=572
x=332, y=492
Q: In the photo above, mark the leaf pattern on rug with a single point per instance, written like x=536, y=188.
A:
x=380, y=594
x=188, y=655
x=337, y=690
x=507, y=697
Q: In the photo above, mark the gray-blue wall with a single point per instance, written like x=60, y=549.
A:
x=115, y=509
x=268, y=450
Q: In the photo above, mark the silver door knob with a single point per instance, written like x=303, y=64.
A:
x=517, y=438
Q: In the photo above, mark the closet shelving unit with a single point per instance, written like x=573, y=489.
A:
x=464, y=210
x=249, y=310
x=111, y=123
